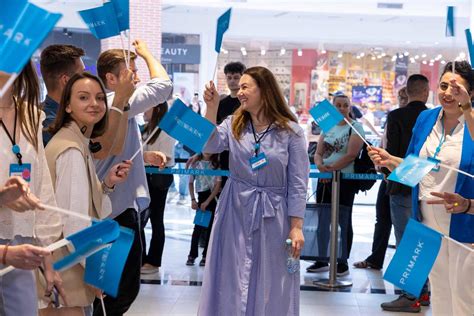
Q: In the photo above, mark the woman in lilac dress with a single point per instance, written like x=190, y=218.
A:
x=261, y=205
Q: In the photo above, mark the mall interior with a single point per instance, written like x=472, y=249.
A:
x=364, y=49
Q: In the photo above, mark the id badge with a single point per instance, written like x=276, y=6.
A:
x=258, y=161
x=23, y=171
x=437, y=162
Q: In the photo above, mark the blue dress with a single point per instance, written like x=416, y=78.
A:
x=246, y=270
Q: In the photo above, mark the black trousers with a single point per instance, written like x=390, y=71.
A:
x=383, y=227
x=199, y=230
x=155, y=213
x=130, y=280
x=346, y=198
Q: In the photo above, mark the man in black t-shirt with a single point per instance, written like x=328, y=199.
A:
x=227, y=106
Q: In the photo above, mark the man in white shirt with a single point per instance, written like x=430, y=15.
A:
x=131, y=197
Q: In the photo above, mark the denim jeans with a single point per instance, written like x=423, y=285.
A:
x=400, y=213
x=183, y=187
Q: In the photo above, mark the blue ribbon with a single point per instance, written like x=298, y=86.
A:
x=226, y=173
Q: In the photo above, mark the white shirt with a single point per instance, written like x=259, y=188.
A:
x=164, y=143
x=72, y=190
x=44, y=225
x=443, y=180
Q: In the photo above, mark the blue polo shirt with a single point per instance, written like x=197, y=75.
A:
x=50, y=108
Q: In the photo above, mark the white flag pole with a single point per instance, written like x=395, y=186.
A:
x=145, y=142
x=357, y=132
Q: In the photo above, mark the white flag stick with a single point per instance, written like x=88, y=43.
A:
x=215, y=69
x=125, y=55
x=457, y=170
x=51, y=248
x=66, y=212
x=357, y=132
x=458, y=243
x=127, y=33
x=145, y=142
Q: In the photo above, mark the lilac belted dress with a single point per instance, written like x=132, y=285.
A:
x=246, y=270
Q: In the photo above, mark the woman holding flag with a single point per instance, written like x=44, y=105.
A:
x=22, y=154
x=262, y=204
x=81, y=116
x=442, y=134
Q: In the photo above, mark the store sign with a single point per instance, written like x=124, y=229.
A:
x=180, y=54
x=364, y=94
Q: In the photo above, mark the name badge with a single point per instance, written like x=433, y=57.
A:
x=437, y=162
x=23, y=171
x=258, y=161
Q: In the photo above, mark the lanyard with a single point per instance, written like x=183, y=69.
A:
x=443, y=137
x=15, y=147
x=259, y=139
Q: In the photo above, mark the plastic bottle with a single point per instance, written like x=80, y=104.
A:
x=292, y=264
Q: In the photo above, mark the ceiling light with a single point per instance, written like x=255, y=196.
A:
x=282, y=51
x=424, y=62
x=423, y=55
x=339, y=55
x=362, y=54
x=383, y=55
x=244, y=52
x=323, y=51
x=416, y=56
x=443, y=62
x=394, y=57
x=412, y=60
x=300, y=52
x=436, y=43
x=406, y=53
x=262, y=52
x=462, y=55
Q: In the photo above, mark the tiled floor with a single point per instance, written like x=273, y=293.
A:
x=176, y=288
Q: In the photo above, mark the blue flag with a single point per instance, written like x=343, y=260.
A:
x=450, y=22
x=411, y=170
x=101, y=21
x=414, y=258
x=470, y=46
x=326, y=115
x=24, y=34
x=222, y=27
x=9, y=14
x=89, y=241
x=104, y=268
x=186, y=126
x=122, y=11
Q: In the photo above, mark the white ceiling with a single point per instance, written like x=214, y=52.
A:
x=349, y=25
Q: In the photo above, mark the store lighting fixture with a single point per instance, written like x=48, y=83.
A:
x=462, y=55
x=224, y=51
x=379, y=56
x=443, y=62
x=244, y=53
x=436, y=43
x=417, y=56
x=282, y=51
x=242, y=48
x=323, y=51
x=423, y=55
x=431, y=64
x=412, y=60
x=408, y=42
x=339, y=55
x=300, y=52
x=262, y=52
x=424, y=62
x=432, y=61
x=383, y=55
x=394, y=57
x=406, y=53
x=373, y=58
x=358, y=57
x=439, y=56
x=362, y=54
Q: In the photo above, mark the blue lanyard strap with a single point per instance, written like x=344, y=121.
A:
x=443, y=137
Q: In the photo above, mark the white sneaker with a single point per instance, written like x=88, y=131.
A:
x=149, y=269
x=182, y=202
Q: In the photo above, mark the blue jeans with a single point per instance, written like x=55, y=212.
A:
x=400, y=213
x=183, y=187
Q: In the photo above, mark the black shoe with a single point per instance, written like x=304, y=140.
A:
x=190, y=261
x=402, y=304
x=342, y=269
x=318, y=267
x=202, y=263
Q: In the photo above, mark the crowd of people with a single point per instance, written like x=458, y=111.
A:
x=92, y=123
